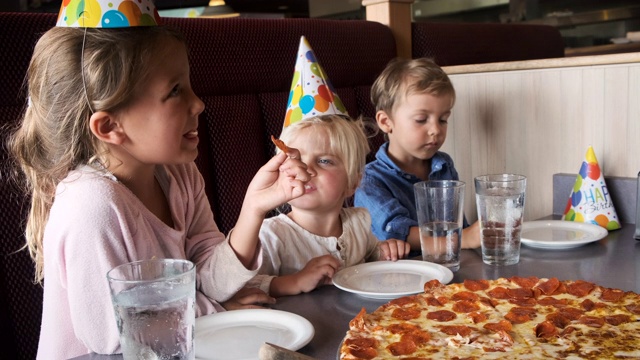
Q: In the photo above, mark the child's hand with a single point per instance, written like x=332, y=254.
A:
x=471, y=236
x=248, y=298
x=394, y=249
x=280, y=180
x=318, y=271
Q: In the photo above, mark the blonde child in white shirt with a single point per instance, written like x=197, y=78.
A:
x=304, y=248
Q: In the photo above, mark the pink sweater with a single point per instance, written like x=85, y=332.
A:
x=95, y=224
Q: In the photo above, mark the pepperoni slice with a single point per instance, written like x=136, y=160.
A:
x=528, y=282
x=456, y=330
x=465, y=306
x=588, y=305
x=477, y=317
x=488, y=302
x=502, y=325
x=562, y=289
x=580, y=288
x=441, y=315
x=498, y=292
x=520, y=315
x=591, y=321
x=406, y=313
x=465, y=295
x=362, y=347
x=405, y=300
x=546, y=330
x=476, y=285
x=634, y=308
x=493, y=349
x=567, y=331
x=433, y=301
x=523, y=311
x=431, y=285
x=402, y=328
x=551, y=301
x=616, y=320
x=517, y=318
x=402, y=348
x=558, y=320
x=280, y=144
x=611, y=295
x=418, y=337
x=443, y=299
x=523, y=302
x=519, y=293
x=571, y=313
x=549, y=287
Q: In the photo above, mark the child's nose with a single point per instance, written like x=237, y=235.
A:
x=198, y=106
x=311, y=169
x=434, y=130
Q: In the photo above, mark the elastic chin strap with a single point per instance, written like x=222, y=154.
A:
x=84, y=82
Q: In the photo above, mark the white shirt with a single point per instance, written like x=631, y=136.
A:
x=287, y=247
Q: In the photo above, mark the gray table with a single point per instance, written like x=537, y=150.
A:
x=612, y=262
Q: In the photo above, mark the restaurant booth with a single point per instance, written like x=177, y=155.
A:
x=521, y=107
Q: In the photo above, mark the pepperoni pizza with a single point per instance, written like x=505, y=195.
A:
x=515, y=318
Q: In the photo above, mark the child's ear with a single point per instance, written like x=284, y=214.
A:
x=105, y=127
x=384, y=122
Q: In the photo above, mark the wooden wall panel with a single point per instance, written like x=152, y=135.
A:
x=540, y=121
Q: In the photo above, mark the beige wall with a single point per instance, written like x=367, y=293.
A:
x=539, y=118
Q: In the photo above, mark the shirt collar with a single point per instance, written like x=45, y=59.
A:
x=438, y=161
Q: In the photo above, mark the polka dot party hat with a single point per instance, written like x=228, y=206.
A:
x=107, y=13
x=590, y=201
x=311, y=91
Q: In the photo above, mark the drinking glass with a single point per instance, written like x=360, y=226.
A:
x=154, y=303
x=439, y=205
x=500, y=202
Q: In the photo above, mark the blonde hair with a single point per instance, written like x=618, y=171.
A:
x=74, y=72
x=347, y=139
x=403, y=77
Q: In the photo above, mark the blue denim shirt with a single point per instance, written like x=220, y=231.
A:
x=387, y=192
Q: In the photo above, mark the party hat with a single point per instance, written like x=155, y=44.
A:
x=311, y=91
x=107, y=13
x=590, y=201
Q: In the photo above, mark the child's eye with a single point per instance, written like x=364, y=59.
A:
x=444, y=120
x=325, y=162
x=175, y=91
x=421, y=121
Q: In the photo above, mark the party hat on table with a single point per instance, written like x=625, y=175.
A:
x=107, y=13
x=311, y=91
x=590, y=201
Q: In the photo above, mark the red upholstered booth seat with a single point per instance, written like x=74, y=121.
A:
x=242, y=70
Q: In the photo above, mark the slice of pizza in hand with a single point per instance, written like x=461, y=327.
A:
x=506, y=318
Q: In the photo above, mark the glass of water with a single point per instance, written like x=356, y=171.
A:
x=500, y=202
x=439, y=206
x=154, y=303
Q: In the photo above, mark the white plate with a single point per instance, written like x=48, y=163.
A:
x=239, y=334
x=390, y=280
x=560, y=234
